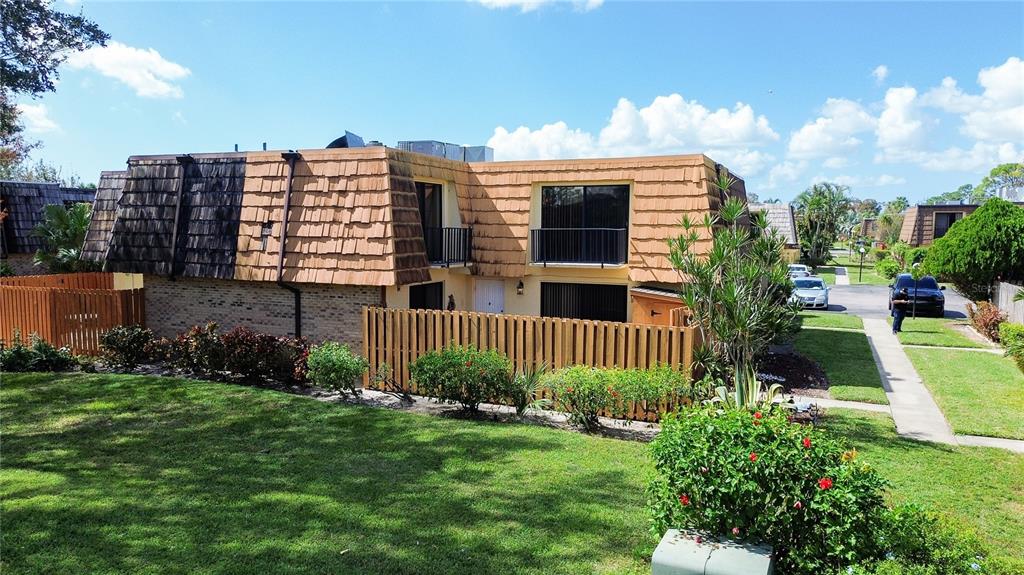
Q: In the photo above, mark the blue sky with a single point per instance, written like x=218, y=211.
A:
x=907, y=99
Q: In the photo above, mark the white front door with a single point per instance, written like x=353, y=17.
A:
x=489, y=296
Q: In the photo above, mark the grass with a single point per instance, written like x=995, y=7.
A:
x=830, y=319
x=847, y=360
x=982, y=488
x=980, y=393
x=118, y=474
x=853, y=272
x=933, y=331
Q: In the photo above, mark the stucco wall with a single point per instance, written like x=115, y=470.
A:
x=328, y=312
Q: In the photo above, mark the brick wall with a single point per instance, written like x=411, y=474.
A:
x=328, y=311
x=23, y=266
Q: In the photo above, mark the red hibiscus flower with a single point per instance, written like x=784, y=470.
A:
x=753, y=456
x=469, y=363
x=757, y=415
x=568, y=389
x=825, y=483
x=684, y=499
x=807, y=443
x=798, y=505
x=736, y=531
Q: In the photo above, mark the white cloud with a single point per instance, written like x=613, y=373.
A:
x=834, y=132
x=900, y=126
x=981, y=156
x=37, y=118
x=144, y=70
x=862, y=181
x=836, y=162
x=997, y=114
x=785, y=173
x=881, y=72
x=531, y=5
x=669, y=125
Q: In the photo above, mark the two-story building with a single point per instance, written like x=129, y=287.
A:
x=297, y=242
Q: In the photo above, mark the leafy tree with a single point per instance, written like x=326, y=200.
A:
x=963, y=194
x=889, y=225
x=866, y=208
x=897, y=206
x=1005, y=181
x=63, y=233
x=739, y=292
x=41, y=171
x=981, y=248
x=820, y=213
x=35, y=40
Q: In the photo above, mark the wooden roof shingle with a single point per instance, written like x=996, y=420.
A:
x=24, y=203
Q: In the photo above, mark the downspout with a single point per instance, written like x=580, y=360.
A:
x=184, y=162
x=291, y=157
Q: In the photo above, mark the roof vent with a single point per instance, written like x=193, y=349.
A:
x=349, y=140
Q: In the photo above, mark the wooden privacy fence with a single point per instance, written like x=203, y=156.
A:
x=72, y=317
x=91, y=280
x=396, y=337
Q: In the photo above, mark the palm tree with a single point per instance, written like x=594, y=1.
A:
x=821, y=211
x=63, y=233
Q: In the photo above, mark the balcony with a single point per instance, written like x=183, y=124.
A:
x=448, y=246
x=604, y=246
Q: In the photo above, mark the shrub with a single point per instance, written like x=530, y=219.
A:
x=1012, y=337
x=38, y=355
x=463, y=375
x=198, y=350
x=6, y=270
x=525, y=389
x=255, y=355
x=758, y=477
x=333, y=366
x=888, y=268
x=584, y=392
x=986, y=317
x=985, y=245
x=126, y=346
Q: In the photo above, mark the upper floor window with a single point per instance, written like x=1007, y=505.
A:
x=576, y=207
x=943, y=221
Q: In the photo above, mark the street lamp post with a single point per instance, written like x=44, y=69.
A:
x=860, y=274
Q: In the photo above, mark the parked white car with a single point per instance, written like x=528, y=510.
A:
x=810, y=292
x=799, y=271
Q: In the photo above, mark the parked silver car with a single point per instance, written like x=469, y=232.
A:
x=799, y=271
x=810, y=292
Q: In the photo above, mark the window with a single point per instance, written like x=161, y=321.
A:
x=943, y=221
x=583, y=301
x=428, y=196
x=585, y=206
x=427, y=296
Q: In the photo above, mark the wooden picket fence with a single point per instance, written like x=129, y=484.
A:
x=89, y=280
x=75, y=317
x=396, y=337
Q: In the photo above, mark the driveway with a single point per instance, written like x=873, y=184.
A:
x=873, y=301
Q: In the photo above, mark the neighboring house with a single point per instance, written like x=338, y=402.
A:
x=381, y=226
x=925, y=223
x=21, y=206
x=869, y=228
x=781, y=219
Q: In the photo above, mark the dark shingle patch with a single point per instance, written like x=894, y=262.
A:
x=24, y=203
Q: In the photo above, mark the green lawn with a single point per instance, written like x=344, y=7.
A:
x=853, y=271
x=980, y=393
x=830, y=319
x=933, y=331
x=119, y=474
x=846, y=358
x=981, y=487
x=116, y=474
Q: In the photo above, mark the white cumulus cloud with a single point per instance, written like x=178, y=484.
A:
x=531, y=5
x=669, y=125
x=900, y=127
x=995, y=115
x=144, y=70
x=834, y=132
x=37, y=118
x=881, y=72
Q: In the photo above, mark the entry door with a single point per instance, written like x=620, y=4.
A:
x=489, y=296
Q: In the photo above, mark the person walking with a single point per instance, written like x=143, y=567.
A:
x=899, y=309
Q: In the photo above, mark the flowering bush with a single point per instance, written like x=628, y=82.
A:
x=986, y=317
x=463, y=375
x=334, y=366
x=37, y=355
x=757, y=477
x=255, y=355
x=126, y=345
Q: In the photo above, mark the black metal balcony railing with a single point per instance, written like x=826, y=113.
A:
x=447, y=246
x=605, y=246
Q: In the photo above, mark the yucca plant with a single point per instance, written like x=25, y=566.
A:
x=738, y=291
x=526, y=387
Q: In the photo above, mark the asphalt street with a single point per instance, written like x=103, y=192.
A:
x=873, y=301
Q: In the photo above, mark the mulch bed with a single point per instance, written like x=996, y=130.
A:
x=797, y=374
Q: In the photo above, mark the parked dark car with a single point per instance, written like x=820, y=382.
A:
x=928, y=295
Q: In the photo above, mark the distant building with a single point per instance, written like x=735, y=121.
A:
x=781, y=219
x=21, y=209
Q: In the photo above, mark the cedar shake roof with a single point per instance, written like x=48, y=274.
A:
x=104, y=210
x=918, y=227
x=354, y=217
x=24, y=203
x=780, y=218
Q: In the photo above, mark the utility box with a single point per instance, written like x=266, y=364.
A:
x=679, y=553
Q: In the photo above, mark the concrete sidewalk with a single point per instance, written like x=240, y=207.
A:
x=842, y=278
x=915, y=412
